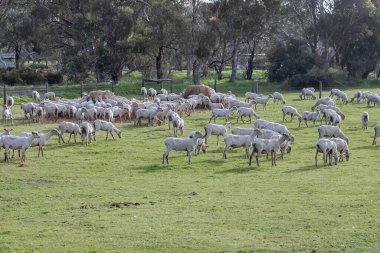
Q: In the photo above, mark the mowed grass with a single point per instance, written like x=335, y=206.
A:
x=65, y=201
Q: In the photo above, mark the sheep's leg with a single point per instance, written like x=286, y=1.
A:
x=70, y=138
x=225, y=152
x=325, y=158
x=217, y=140
x=275, y=158
x=316, y=156
x=291, y=117
x=39, y=150
x=246, y=152
x=190, y=161
x=250, y=119
x=107, y=136
x=112, y=136
x=257, y=159
x=208, y=121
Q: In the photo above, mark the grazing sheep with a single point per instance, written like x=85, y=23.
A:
x=42, y=141
x=308, y=116
x=106, y=126
x=50, y=95
x=289, y=110
x=28, y=109
x=281, y=129
x=18, y=143
x=263, y=101
x=328, y=149
x=251, y=95
x=334, y=92
x=143, y=93
x=146, y=114
x=214, y=129
x=237, y=141
x=331, y=116
x=365, y=119
x=342, y=147
x=331, y=131
x=307, y=92
x=247, y=131
x=266, y=146
x=196, y=90
x=357, y=96
x=216, y=106
x=187, y=144
x=342, y=96
x=36, y=96
x=244, y=111
x=324, y=101
x=71, y=128
x=87, y=132
x=7, y=114
x=178, y=124
x=377, y=133
x=277, y=96
x=222, y=113
x=201, y=144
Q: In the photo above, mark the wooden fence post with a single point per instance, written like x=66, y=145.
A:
x=5, y=94
x=320, y=89
x=81, y=89
x=46, y=87
x=215, y=84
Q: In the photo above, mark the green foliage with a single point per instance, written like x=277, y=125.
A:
x=30, y=76
x=54, y=78
x=11, y=77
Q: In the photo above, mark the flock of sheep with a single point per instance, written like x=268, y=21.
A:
x=97, y=110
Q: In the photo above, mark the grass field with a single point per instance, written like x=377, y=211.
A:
x=69, y=201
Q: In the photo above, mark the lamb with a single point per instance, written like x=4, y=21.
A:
x=50, y=95
x=187, y=144
x=146, y=114
x=19, y=143
x=7, y=114
x=143, y=93
x=324, y=101
x=218, y=130
x=365, y=119
x=308, y=116
x=36, y=96
x=277, y=96
x=329, y=150
x=289, y=110
x=10, y=103
x=266, y=146
x=87, y=132
x=222, y=113
x=170, y=115
x=377, y=133
x=331, y=131
x=342, y=147
x=178, y=124
x=69, y=127
x=200, y=145
x=106, y=126
x=244, y=111
x=42, y=141
x=263, y=101
x=251, y=95
x=237, y=141
x=307, y=92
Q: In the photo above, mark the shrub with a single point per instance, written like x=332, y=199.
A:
x=54, y=78
x=11, y=77
x=32, y=77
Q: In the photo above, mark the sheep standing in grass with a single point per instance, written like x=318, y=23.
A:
x=365, y=119
x=186, y=144
x=87, y=132
x=146, y=114
x=222, y=113
x=357, y=96
x=7, y=114
x=214, y=129
x=36, y=96
x=377, y=133
x=10, y=103
x=331, y=131
x=308, y=116
x=277, y=96
x=328, y=149
x=266, y=146
x=42, y=141
x=289, y=110
x=106, y=126
x=143, y=93
x=18, y=143
x=264, y=124
x=71, y=128
x=307, y=92
x=50, y=95
x=323, y=101
x=244, y=111
x=237, y=141
x=247, y=131
x=152, y=93
x=251, y=95
x=342, y=147
x=201, y=144
x=178, y=124
x=262, y=101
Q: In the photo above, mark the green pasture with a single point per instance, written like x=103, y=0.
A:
x=116, y=196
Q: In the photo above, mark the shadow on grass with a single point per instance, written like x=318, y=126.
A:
x=365, y=147
x=305, y=168
x=239, y=170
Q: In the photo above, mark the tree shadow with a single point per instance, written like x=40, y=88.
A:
x=239, y=170
x=306, y=168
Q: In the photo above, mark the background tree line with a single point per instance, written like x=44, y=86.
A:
x=303, y=40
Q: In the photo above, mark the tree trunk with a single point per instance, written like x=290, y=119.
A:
x=249, y=70
x=188, y=67
x=160, y=72
x=366, y=73
x=197, y=72
x=234, y=63
x=219, y=70
x=17, y=56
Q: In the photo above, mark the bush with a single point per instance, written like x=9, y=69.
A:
x=54, y=78
x=32, y=77
x=11, y=77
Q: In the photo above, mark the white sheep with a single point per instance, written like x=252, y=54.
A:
x=328, y=149
x=18, y=143
x=357, y=96
x=186, y=144
x=10, y=102
x=50, y=95
x=216, y=106
x=289, y=110
x=222, y=113
x=342, y=147
x=214, y=129
x=146, y=114
x=244, y=111
x=143, y=93
x=377, y=133
x=277, y=96
x=42, y=141
x=36, y=96
x=331, y=131
x=266, y=146
x=28, y=109
x=237, y=141
x=308, y=116
x=200, y=145
x=251, y=95
x=178, y=124
x=87, y=132
x=71, y=128
x=164, y=91
x=343, y=96
x=152, y=93
x=281, y=129
x=247, y=131
x=106, y=126
x=262, y=101
x=324, y=101
x=365, y=119
x=7, y=114
x=307, y=92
